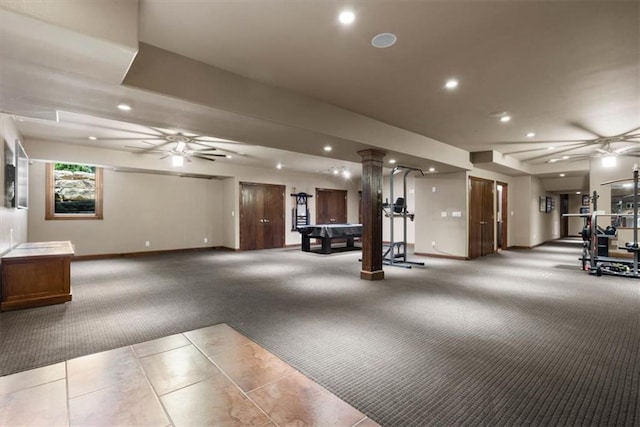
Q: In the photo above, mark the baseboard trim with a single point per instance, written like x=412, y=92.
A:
x=148, y=253
x=456, y=257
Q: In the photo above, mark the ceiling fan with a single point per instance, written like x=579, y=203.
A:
x=603, y=146
x=181, y=147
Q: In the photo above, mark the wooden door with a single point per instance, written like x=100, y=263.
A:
x=504, y=218
x=331, y=206
x=273, y=216
x=261, y=216
x=564, y=209
x=481, y=217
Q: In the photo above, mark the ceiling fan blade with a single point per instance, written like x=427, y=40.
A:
x=555, y=153
x=632, y=130
x=545, y=148
x=213, y=139
x=564, y=141
x=586, y=129
x=204, y=158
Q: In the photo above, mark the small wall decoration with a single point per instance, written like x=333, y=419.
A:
x=9, y=177
x=22, y=177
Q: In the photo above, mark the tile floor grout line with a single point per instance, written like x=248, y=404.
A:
x=153, y=390
x=66, y=389
x=232, y=381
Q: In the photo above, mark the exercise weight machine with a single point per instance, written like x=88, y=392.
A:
x=395, y=253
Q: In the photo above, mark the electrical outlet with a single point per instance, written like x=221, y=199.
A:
x=206, y=240
x=433, y=244
x=147, y=243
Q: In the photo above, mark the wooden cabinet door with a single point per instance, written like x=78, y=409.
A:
x=261, y=216
x=331, y=206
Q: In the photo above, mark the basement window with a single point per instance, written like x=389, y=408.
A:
x=74, y=191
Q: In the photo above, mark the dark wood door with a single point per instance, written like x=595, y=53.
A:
x=503, y=220
x=564, y=220
x=331, y=206
x=261, y=216
x=481, y=217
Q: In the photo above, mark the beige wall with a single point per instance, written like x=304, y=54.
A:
x=544, y=226
x=435, y=195
x=575, y=224
x=13, y=222
x=168, y=211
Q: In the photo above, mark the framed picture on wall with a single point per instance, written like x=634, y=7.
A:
x=542, y=204
x=9, y=176
x=22, y=177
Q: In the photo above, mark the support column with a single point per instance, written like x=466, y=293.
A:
x=372, y=214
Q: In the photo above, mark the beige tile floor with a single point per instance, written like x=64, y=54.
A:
x=211, y=376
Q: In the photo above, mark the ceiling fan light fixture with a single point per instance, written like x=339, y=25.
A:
x=609, y=161
x=177, y=161
x=180, y=146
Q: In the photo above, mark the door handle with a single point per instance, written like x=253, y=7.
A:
x=332, y=220
x=483, y=222
x=265, y=220
x=261, y=220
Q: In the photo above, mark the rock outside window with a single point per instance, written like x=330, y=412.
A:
x=74, y=191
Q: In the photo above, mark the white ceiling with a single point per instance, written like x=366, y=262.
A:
x=568, y=71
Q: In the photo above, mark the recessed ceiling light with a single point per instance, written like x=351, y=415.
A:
x=392, y=161
x=228, y=156
x=124, y=107
x=384, y=40
x=346, y=17
x=565, y=157
x=279, y=166
x=550, y=148
x=505, y=119
x=451, y=84
x=561, y=175
x=327, y=148
x=432, y=169
x=531, y=134
x=336, y=171
x=553, y=160
x=93, y=138
x=577, y=192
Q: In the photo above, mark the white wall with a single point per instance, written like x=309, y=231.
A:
x=544, y=226
x=168, y=211
x=13, y=222
x=209, y=207
x=575, y=224
x=449, y=233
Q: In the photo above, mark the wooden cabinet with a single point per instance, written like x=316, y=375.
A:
x=35, y=274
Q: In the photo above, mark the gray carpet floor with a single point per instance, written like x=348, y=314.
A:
x=522, y=337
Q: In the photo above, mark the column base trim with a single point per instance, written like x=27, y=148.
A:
x=372, y=275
